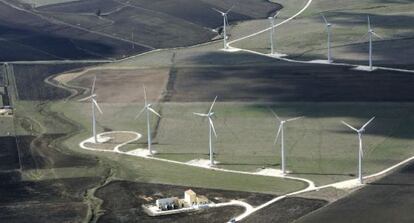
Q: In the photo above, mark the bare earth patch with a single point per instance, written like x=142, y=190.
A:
x=124, y=86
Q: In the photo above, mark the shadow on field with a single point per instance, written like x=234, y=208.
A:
x=44, y=38
x=28, y=43
x=277, y=81
x=377, y=20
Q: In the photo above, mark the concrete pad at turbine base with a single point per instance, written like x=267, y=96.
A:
x=277, y=55
x=141, y=152
x=271, y=172
x=103, y=139
x=202, y=163
x=348, y=184
x=364, y=68
x=321, y=61
x=100, y=138
x=231, y=49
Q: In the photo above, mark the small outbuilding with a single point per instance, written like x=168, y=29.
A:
x=190, y=197
x=167, y=203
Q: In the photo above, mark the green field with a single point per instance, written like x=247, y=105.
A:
x=318, y=147
x=138, y=169
x=305, y=36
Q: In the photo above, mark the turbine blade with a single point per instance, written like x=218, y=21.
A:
x=324, y=19
x=222, y=13
x=364, y=37
x=145, y=95
x=293, y=119
x=212, y=126
x=211, y=107
x=369, y=24
x=277, y=13
x=93, y=85
x=139, y=113
x=356, y=130
x=97, y=106
x=229, y=9
x=227, y=20
x=153, y=111
x=375, y=34
x=200, y=114
x=274, y=114
x=277, y=134
x=87, y=98
x=366, y=124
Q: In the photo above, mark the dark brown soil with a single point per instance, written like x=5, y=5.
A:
x=45, y=201
x=387, y=200
x=125, y=86
x=286, y=210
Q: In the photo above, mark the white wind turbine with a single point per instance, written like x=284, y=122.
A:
x=360, y=152
x=272, y=32
x=94, y=104
x=328, y=30
x=148, y=109
x=371, y=33
x=225, y=22
x=280, y=132
x=211, y=128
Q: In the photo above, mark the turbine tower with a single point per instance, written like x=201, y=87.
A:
x=280, y=132
x=272, y=32
x=371, y=33
x=211, y=129
x=360, y=152
x=94, y=104
x=148, y=109
x=328, y=30
x=225, y=23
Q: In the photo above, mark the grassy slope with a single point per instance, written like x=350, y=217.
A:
x=133, y=168
x=318, y=147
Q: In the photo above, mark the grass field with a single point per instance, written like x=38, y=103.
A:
x=305, y=36
x=143, y=170
x=319, y=147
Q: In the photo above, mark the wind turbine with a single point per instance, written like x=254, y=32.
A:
x=272, y=31
x=94, y=104
x=225, y=22
x=280, y=132
x=328, y=30
x=211, y=128
x=148, y=109
x=361, y=152
x=371, y=33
